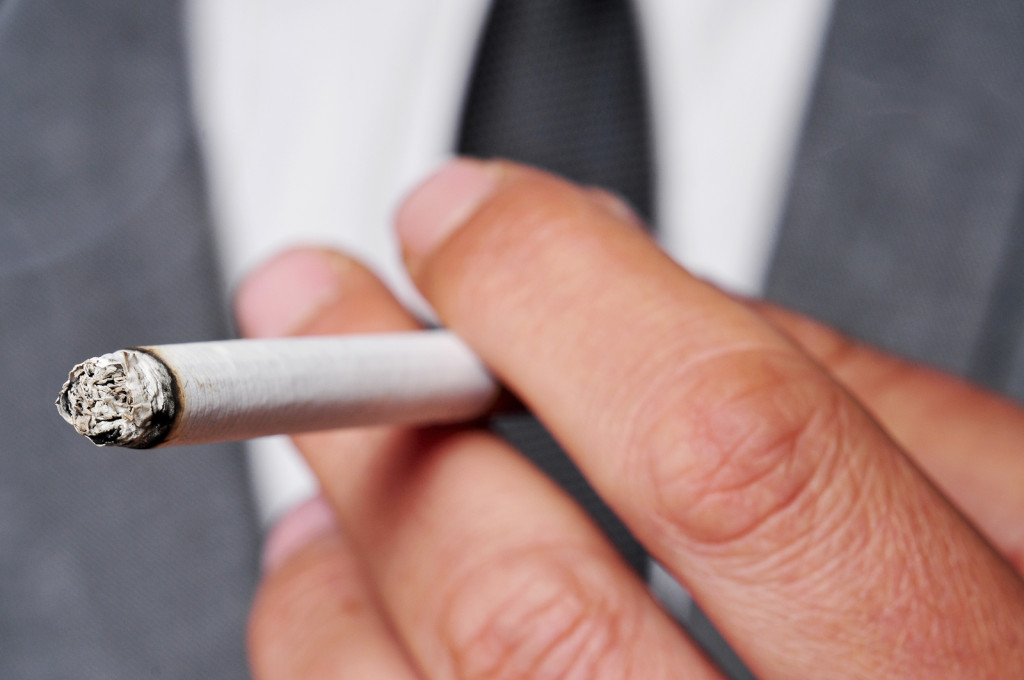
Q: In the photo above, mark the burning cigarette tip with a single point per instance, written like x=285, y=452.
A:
x=125, y=398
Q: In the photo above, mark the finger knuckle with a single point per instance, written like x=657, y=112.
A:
x=743, y=447
x=553, y=618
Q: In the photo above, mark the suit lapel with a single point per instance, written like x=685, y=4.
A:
x=905, y=189
x=113, y=565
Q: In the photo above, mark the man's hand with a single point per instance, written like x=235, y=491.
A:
x=756, y=454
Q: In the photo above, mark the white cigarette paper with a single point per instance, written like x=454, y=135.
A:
x=169, y=395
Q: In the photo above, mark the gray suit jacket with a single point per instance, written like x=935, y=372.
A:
x=112, y=565
x=904, y=224
x=902, y=227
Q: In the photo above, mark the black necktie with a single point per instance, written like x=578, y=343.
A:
x=559, y=85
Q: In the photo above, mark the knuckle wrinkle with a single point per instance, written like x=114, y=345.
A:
x=741, y=452
x=553, y=619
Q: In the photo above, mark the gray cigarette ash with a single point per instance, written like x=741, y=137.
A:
x=125, y=398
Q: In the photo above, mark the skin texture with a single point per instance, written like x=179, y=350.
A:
x=837, y=512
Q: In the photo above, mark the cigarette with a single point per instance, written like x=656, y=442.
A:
x=194, y=393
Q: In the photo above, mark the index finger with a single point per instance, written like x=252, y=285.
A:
x=741, y=465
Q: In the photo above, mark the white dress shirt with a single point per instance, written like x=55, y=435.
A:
x=316, y=116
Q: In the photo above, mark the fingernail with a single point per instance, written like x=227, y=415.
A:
x=278, y=296
x=440, y=205
x=298, y=528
